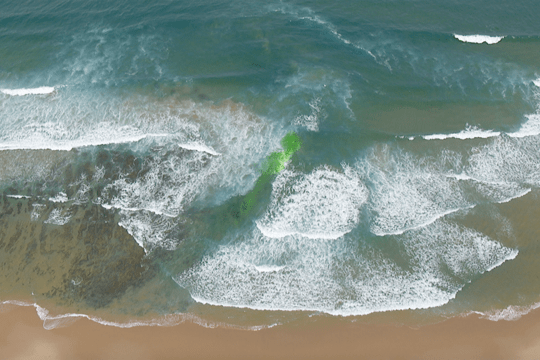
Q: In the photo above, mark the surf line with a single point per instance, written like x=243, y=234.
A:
x=273, y=165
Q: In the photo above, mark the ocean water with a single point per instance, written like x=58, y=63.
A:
x=144, y=179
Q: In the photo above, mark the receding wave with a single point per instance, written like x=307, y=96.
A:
x=55, y=321
x=510, y=313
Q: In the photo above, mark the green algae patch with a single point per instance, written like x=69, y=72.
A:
x=273, y=165
x=236, y=210
x=276, y=161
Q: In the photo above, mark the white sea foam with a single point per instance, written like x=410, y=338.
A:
x=511, y=313
x=58, y=217
x=37, y=210
x=478, y=39
x=409, y=192
x=54, y=321
x=490, y=189
x=226, y=142
x=311, y=121
x=37, y=142
x=322, y=205
x=19, y=196
x=406, y=192
x=148, y=230
x=268, y=268
x=459, y=176
x=531, y=127
x=325, y=88
x=142, y=53
x=35, y=91
x=76, y=119
x=305, y=13
x=464, y=251
x=134, y=209
x=175, y=178
x=336, y=277
x=508, y=160
x=61, y=197
x=166, y=187
x=427, y=222
x=199, y=147
x=471, y=132
x=518, y=195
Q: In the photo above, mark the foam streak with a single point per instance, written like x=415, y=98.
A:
x=35, y=91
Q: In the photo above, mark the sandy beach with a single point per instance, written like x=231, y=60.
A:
x=22, y=336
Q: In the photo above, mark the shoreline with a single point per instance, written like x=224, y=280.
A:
x=22, y=336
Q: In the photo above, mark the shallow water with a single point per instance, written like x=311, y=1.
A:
x=133, y=136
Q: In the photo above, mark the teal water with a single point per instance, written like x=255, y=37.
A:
x=133, y=136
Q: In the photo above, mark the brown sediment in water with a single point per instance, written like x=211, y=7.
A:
x=22, y=336
x=25, y=164
x=51, y=261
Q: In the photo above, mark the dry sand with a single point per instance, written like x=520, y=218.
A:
x=22, y=336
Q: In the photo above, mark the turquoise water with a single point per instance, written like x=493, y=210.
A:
x=132, y=135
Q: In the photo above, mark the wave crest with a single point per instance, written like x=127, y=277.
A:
x=479, y=39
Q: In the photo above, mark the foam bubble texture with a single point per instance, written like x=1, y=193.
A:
x=167, y=185
x=531, y=127
x=339, y=277
x=190, y=151
x=405, y=192
x=507, y=160
x=58, y=217
x=175, y=176
x=148, y=229
x=323, y=204
x=311, y=121
x=511, y=313
x=408, y=192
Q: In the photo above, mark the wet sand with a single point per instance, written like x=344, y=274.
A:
x=22, y=336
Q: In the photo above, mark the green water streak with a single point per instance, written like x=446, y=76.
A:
x=273, y=165
x=235, y=211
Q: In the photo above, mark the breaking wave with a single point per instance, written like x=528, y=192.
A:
x=35, y=91
x=479, y=39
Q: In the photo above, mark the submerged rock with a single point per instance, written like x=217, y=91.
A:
x=89, y=259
